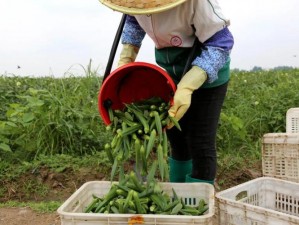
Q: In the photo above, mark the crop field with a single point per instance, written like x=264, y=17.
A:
x=52, y=138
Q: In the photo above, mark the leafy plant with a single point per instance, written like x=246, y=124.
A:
x=56, y=116
x=256, y=104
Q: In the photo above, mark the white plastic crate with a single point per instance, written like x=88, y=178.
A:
x=292, y=120
x=280, y=156
x=72, y=210
x=262, y=201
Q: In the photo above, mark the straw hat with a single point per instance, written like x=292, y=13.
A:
x=135, y=7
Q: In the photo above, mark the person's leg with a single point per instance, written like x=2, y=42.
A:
x=178, y=170
x=180, y=162
x=196, y=141
x=202, y=118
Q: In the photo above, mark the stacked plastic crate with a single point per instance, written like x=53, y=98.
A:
x=273, y=198
x=280, y=151
x=292, y=121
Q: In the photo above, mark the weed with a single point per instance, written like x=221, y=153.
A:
x=34, y=188
x=43, y=207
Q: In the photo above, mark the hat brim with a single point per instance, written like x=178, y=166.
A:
x=138, y=11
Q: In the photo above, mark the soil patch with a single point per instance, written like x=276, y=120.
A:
x=25, y=216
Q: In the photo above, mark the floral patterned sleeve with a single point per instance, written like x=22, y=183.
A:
x=215, y=54
x=132, y=33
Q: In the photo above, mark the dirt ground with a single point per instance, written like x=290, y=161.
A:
x=62, y=185
x=25, y=216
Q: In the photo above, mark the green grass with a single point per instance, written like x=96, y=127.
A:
x=49, y=116
x=42, y=207
x=256, y=103
x=55, y=163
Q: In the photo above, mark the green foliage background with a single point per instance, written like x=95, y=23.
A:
x=49, y=116
x=256, y=104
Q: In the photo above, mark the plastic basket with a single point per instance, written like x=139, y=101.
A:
x=71, y=211
x=280, y=156
x=292, y=120
x=261, y=201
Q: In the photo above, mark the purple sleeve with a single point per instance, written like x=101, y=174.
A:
x=132, y=33
x=216, y=53
x=222, y=39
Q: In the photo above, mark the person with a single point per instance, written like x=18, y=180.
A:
x=174, y=26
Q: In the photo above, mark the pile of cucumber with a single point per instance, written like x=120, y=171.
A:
x=139, y=131
x=134, y=197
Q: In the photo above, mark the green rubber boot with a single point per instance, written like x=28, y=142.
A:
x=190, y=179
x=178, y=170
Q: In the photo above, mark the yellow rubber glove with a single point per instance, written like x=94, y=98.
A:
x=192, y=80
x=128, y=54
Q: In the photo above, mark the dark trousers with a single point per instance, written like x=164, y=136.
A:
x=197, y=140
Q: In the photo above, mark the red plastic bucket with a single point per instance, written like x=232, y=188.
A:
x=131, y=83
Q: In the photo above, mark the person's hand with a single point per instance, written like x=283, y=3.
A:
x=192, y=80
x=128, y=54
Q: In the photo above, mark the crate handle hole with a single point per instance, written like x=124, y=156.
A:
x=241, y=195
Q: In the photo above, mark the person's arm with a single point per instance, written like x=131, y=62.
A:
x=132, y=37
x=215, y=53
x=204, y=68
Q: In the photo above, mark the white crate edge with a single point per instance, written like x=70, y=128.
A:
x=279, y=147
x=206, y=219
x=280, y=138
x=233, y=205
x=292, y=120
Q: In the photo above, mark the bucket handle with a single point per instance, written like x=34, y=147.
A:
x=114, y=46
x=196, y=44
